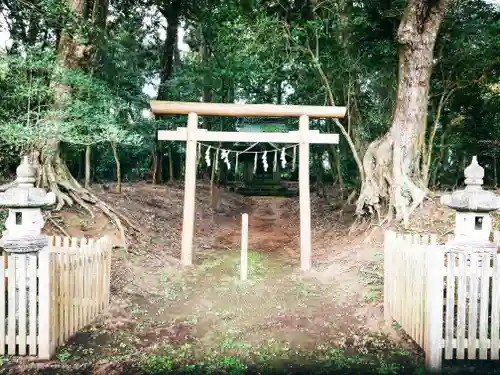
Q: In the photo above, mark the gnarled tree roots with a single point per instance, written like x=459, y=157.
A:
x=55, y=175
x=384, y=186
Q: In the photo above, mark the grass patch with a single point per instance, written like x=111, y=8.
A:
x=327, y=361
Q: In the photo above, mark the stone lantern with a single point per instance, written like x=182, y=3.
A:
x=473, y=206
x=25, y=222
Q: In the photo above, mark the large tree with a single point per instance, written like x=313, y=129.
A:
x=76, y=48
x=392, y=163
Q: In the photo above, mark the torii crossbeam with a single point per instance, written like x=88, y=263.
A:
x=192, y=134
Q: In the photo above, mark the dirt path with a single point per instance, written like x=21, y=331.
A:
x=271, y=232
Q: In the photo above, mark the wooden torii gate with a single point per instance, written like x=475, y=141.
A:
x=192, y=134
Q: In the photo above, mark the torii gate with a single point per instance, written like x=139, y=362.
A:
x=192, y=134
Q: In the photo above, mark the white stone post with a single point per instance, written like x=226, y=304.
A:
x=244, y=247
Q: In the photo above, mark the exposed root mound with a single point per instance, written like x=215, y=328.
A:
x=388, y=182
x=55, y=175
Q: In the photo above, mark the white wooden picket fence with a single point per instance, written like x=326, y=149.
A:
x=47, y=297
x=447, y=301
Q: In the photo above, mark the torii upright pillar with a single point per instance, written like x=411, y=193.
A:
x=304, y=137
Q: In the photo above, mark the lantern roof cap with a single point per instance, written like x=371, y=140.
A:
x=23, y=193
x=473, y=198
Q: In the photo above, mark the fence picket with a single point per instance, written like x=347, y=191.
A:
x=58, y=294
x=74, y=286
x=100, y=281
x=32, y=274
x=54, y=273
x=3, y=290
x=434, y=296
x=387, y=273
x=419, y=296
x=11, y=320
x=408, y=239
x=81, y=266
x=85, y=284
x=450, y=306
x=93, y=286
x=67, y=288
x=484, y=306
x=495, y=309
x=46, y=344
x=472, y=318
x=22, y=309
x=409, y=289
x=462, y=293
x=397, y=280
x=92, y=278
x=60, y=289
x=81, y=278
x=108, y=248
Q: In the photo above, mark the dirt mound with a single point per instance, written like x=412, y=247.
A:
x=158, y=212
x=264, y=235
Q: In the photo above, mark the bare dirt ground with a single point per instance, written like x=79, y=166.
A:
x=163, y=318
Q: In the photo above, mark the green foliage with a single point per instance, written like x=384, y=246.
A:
x=157, y=364
x=255, y=51
x=91, y=115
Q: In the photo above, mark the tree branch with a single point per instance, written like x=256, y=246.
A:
x=343, y=130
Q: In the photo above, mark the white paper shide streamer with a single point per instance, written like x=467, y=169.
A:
x=207, y=156
x=225, y=157
x=283, y=158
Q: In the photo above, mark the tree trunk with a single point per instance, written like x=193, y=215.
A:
x=320, y=185
x=495, y=176
x=339, y=174
x=170, y=163
x=54, y=173
x=118, y=168
x=88, y=151
x=154, y=164
x=427, y=153
x=439, y=164
x=99, y=13
x=215, y=165
x=205, y=59
x=460, y=169
x=391, y=162
x=206, y=94
x=172, y=14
